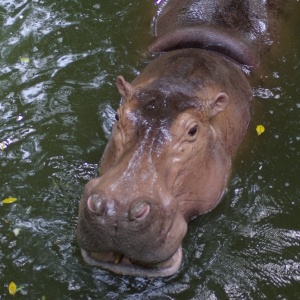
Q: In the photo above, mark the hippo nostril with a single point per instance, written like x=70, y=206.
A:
x=96, y=204
x=139, y=210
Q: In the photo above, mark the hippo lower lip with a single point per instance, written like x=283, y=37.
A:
x=125, y=266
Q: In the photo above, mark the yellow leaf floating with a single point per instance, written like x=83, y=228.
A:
x=24, y=60
x=9, y=200
x=12, y=288
x=260, y=129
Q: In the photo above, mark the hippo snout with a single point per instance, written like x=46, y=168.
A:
x=129, y=233
x=97, y=204
x=100, y=205
x=139, y=210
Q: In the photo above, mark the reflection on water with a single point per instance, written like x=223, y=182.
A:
x=57, y=99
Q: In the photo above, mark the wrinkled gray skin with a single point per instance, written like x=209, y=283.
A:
x=178, y=125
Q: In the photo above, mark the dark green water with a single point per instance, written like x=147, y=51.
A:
x=55, y=112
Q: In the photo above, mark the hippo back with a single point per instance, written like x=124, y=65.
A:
x=242, y=28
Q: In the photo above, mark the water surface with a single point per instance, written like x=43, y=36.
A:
x=58, y=64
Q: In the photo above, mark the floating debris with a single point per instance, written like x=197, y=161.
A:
x=12, y=288
x=24, y=60
x=260, y=129
x=9, y=200
x=16, y=231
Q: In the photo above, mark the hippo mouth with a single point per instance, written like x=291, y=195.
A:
x=122, y=265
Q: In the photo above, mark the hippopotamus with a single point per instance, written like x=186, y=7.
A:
x=178, y=126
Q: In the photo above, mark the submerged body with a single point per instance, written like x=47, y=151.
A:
x=179, y=123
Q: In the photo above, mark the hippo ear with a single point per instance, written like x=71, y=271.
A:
x=123, y=86
x=219, y=104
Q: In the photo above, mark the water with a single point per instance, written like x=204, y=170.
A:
x=58, y=64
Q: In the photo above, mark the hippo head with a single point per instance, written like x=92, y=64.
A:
x=164, y=164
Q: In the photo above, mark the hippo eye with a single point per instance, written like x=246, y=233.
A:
x=193, y=131
x=117, y=117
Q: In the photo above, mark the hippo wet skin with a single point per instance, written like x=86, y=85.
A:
x=178, y=125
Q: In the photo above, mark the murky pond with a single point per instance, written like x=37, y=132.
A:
x=58, y=63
